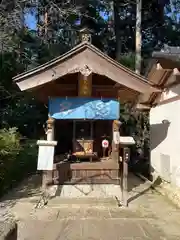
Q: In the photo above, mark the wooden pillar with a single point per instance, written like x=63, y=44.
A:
x=91, y=130
x=115, y=146
x=74, y=136
x=85, y=84
x=92, y=142
x=74, y=130
x=124, y=178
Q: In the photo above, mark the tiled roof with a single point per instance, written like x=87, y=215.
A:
x=168, y=52
x=170, y=49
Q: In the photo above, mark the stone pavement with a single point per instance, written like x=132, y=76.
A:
x=77, y=224
x=149, y=216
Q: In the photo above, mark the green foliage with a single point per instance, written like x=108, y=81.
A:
x=9, y=142
x=19, y=111
x=128, y=60
x=136, y=124
x=16, y=159
x=17, y=108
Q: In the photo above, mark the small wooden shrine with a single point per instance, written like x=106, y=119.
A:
x=83, y=90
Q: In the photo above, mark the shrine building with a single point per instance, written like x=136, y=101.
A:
x=84, y=89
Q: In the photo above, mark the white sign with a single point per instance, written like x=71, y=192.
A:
x=105, y=143
x=46, y=155
x=45, y=158
x=127, y=140
x=116, y=137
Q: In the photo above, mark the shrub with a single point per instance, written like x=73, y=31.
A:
x=9, y=142
x=16, y=160
x=28, y=158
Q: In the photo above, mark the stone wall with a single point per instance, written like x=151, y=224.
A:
x=164, y=141
x=169, y=191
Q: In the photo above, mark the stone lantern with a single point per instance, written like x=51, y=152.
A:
x=86, y=34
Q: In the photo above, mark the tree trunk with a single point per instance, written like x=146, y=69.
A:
x=46, y=26
x=38, y=19
x=138, y=36
x=116, y=20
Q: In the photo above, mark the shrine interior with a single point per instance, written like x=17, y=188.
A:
x=69, y=132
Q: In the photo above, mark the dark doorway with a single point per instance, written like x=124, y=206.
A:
x=63, y=136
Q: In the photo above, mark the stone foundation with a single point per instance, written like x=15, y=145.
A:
x=102, y=172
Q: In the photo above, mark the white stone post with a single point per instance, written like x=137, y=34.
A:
x=45, y=164
x=50, y=129
x=50, y=137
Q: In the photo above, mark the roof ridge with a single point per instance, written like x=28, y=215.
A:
x=75, y=50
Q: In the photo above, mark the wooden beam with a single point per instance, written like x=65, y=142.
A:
x=137, y=104
x=98, y=87
x=142, y=107
x=158, y=66
x=176, y=72
x=122, y=87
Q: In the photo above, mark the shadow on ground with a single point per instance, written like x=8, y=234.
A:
x=28, y=188
x=31, y=189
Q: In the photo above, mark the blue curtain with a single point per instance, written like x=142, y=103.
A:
x=84, y=108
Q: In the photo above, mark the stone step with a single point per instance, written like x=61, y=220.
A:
x=85, y=191
x=71, y=213
x=82, y=202
x=59, y=208
x=68, y=203
x=91, y=229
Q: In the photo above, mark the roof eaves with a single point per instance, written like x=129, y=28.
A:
x=52, y=62
x=122, y=67
x=75, y=50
